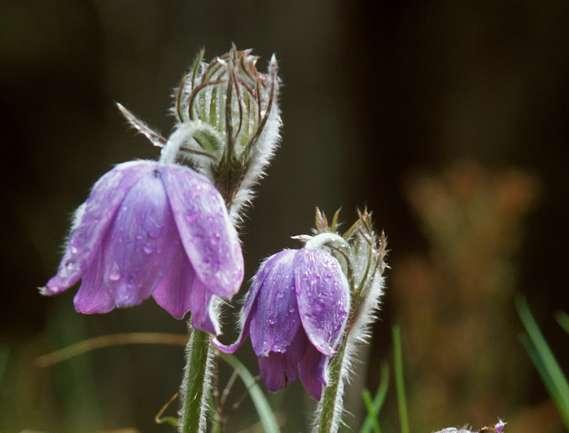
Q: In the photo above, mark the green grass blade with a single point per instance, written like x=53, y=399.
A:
x=536, y=360
x=400, y=380
x=372, y=415
x=378, y=401
x=266, y=415
x=563, y=320
x=543, y=358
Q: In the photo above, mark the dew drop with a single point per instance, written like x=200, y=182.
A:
x=115, y=273
x=147, y=249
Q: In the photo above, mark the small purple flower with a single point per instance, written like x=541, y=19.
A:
x=500, y=426
x=152, y=229
x=295, y=313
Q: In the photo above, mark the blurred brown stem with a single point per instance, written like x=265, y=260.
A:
x=103, y=341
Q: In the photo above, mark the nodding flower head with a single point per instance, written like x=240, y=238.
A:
x=228, y=121
x=295, y=314
x=152, y=229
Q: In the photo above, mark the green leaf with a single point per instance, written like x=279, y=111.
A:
x=377, y=402
x=400, y=380
x=266, y=415
x=544, y=360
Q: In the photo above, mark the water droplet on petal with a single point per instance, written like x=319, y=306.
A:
x=68, y=268
x=115, y=274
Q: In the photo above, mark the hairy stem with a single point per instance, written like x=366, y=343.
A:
x=196, y=385
x=331, y=405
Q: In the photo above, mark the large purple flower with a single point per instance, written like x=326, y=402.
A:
x=152, y=229
x=295, y=314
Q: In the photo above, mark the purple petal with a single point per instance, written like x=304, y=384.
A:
x=209, y=238
x=273, y=371
x=323, y=298
x=275, y=321
x=500, y=426
x=92, y=222
x=91, y=298
x=312, y=371
x=135, y=247
x=277, y=371
x=249, y=306
x=180, y=291
x=295, y=353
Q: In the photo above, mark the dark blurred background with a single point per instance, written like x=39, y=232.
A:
x=449, y=120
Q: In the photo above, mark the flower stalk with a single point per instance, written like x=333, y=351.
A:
x=196, y=385
x=330, y=407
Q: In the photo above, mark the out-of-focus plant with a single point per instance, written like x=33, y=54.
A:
x=544, y=360
x=456, y=300
x=374, y=404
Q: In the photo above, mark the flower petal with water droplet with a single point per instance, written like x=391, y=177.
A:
x=91, y=298
x=209, y=238
x=142, y=230
x=323, y=298
x=93, y=221
x=250, y=305
x=275, y=321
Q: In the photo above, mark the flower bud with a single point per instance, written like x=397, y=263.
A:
x=240, y=105
x=228, y=122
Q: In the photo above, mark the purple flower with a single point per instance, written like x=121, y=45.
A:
x=152, y=229
x=295, y=313
x=500, y=426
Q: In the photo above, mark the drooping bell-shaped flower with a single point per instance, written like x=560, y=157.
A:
x=295, y=315
x=152, y=229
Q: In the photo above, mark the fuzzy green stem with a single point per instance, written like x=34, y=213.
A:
x=196, y=387
x=331, y=406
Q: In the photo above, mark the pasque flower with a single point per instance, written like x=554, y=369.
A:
x=152, y=229
x=295, y=314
